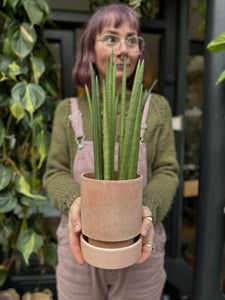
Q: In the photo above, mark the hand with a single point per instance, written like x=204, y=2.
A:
x=74, y=226
x=147, y=232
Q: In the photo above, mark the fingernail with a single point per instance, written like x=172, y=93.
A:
x=76, y=228
x=144, y=232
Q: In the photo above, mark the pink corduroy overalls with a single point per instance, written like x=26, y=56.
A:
x=85, y=282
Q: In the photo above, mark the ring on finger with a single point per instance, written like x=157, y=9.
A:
x=148, y=217
x=151, y=246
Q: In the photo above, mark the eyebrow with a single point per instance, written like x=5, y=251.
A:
x=116, y=33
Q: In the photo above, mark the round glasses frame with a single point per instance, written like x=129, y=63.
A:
x=131, y=48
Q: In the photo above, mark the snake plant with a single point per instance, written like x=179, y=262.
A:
x=129, y=129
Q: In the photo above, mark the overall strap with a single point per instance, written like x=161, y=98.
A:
x=76, y=122
x=144, y=117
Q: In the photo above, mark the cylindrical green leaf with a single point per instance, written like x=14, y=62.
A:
x=131, y=120
x=134, y=152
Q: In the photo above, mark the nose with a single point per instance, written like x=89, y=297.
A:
x=123, y=48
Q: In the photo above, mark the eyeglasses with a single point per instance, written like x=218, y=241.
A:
x=134, y=44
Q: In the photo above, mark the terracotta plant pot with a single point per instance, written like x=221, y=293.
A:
x=111, y=217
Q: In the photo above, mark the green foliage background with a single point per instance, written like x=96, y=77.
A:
x=28, y=94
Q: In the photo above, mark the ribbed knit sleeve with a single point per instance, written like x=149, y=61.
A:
x=161, y=158
x=58, y=179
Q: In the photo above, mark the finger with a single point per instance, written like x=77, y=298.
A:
x=75, y=247
x=146, y=221
x=74, y=226
x=74, y=216
x=146, y=248
x=146, y=252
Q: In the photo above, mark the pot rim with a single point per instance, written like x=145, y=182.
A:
x=111, y=250
x=89, y=176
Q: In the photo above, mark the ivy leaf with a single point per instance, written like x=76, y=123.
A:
x=2, y=131
x=5, y=61
x=32, y=202
x=3, y=275
x=30, y=96
x=44, y=6
x=38, y=67
x=7, y=201
x=22, y=38
x=12, y=3
x=29, y=242
x=37, y=122
x=17, y=68
x=42, y=141
x=33, y=11
x=5, y=176
x=4, y=100
x=17, y=111
x=50, y=86
x=5, y=47
x=23, y=187
x=50, y=254
x=218, y=44
x=221, y=77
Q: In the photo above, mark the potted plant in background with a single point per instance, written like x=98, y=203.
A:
x=111, y=197
x=28, y=88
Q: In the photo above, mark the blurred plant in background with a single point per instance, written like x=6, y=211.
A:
x=145, y=8
x=218, y=45
x=27, y=90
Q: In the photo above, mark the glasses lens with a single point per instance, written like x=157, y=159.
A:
x=134, y=44
x=110, y=40
x=141, y=44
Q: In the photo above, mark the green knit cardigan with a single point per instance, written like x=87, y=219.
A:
x=161, y=157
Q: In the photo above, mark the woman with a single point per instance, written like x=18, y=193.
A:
x=112, y=27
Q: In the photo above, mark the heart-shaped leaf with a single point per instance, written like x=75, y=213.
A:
x=43, y=4
x=23, y=187
x=38, y=67
x=3, y=274
x=50, y=254
x=218, y=44
x=32, y=202
x=29, y=242
x=22, y=38
x=221, y=77
x=7, y=201
x=30, y=96
x=16, y=68
x=5, y=176
x=33, y=11
x=17, y=111
x=12, y=3
x=5, y=61
x=42, y=141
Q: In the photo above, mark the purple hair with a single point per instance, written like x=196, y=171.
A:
x=121, y=13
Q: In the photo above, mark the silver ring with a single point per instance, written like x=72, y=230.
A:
x=151, y=246
x=148, y=217
x=122, y=56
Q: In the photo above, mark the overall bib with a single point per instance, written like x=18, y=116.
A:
x=85, y=282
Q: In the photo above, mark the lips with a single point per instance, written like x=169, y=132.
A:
x=119, y=65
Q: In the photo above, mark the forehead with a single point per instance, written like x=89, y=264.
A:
x=123, y=28
x=114, y=21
